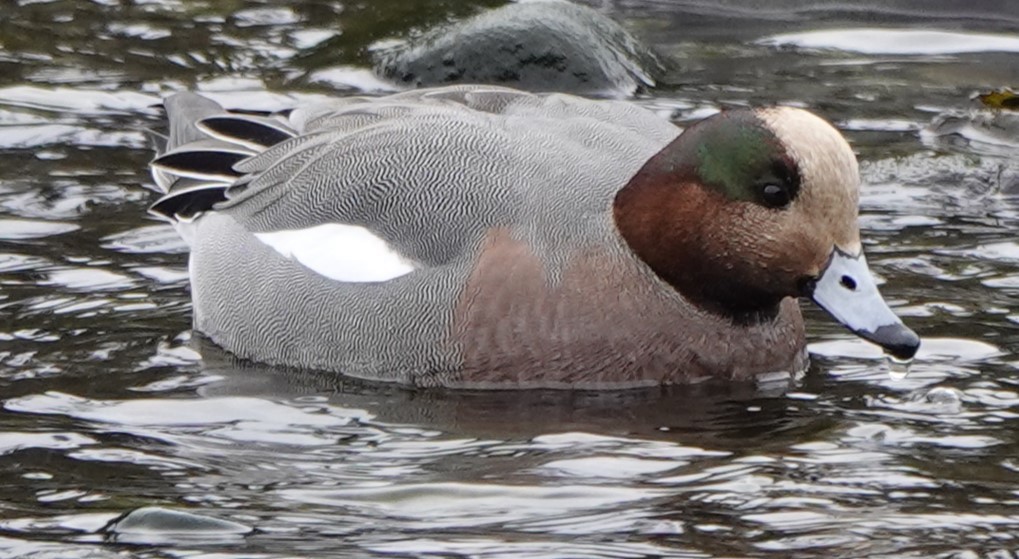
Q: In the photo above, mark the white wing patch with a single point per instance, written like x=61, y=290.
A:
x=341, y=252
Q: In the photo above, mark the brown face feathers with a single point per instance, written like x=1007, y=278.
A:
x=700, y=215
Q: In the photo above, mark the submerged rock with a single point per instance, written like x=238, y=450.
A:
x=980, y=130
x=158, y=524
x=989, y=133
x=544, y=45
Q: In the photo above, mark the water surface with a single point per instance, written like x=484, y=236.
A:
x=110, y=406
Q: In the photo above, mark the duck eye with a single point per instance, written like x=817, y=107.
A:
x=775, y=195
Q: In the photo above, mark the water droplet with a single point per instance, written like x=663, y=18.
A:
x=898, y=369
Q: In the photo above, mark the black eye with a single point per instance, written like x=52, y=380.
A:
x=775, y=195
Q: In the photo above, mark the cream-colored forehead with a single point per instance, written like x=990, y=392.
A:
x=829, y=174
x=819, y=150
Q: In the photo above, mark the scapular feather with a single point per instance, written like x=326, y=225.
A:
x=251, y=131
x=187, y=201
x=202, y=164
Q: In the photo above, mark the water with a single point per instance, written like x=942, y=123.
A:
x=108, y=408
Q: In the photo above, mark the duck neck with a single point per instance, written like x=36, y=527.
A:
x=678, y=228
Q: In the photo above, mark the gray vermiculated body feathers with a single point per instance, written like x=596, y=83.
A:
x=431, y=172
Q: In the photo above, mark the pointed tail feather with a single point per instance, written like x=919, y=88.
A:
x=183, y=112
x=195, y=160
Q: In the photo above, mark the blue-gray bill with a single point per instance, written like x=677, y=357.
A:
x=847, y=290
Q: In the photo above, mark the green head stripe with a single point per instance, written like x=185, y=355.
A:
x=733, y=152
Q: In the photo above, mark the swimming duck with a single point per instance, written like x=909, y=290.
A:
x=484, y=237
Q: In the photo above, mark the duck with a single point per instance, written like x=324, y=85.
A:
x=482, y=237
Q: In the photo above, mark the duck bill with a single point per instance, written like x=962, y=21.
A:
x=847, y=290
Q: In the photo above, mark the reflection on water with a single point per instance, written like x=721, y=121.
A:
x=110, y=408
x=897, y=41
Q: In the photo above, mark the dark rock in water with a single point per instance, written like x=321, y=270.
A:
x=158, y=524
x=539, y=46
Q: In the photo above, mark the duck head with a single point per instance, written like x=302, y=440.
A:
x=748, y=207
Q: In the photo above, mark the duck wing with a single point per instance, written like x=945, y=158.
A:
x=425, y=172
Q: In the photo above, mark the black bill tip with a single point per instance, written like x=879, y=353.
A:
x=896, y=339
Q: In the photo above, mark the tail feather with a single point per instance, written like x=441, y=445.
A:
x=157, y=141
x=184, y=111
x=196, y=160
